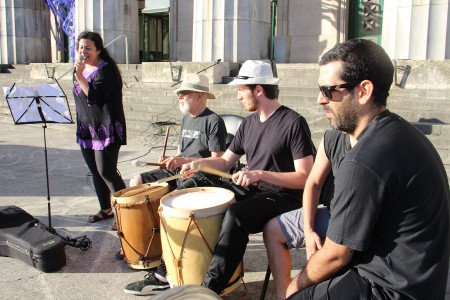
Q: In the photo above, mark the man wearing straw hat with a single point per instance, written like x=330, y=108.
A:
x=203, y=134
x=277, y=143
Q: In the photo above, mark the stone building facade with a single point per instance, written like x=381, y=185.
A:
x=288, y=31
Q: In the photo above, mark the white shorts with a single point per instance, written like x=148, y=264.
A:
x=292, y=225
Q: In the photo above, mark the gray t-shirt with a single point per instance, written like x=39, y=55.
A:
x=202, y=134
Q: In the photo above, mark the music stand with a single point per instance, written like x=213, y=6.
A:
x=42, y=103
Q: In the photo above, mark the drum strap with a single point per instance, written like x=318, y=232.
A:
x=154, y=221
x=192, y=218
x=177, y=260
x=142, y=256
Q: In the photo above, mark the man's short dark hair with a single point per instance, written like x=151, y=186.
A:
x=271, y=91
x=363, y=60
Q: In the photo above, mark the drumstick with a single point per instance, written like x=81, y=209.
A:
x=199, y=166
x=138, y=191
x=165, y=141
x=140, y=163
x=169, y=178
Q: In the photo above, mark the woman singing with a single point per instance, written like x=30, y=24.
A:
x=101, y=128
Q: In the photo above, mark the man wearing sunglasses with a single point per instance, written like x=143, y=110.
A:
x=388, y=231
x=202, y=134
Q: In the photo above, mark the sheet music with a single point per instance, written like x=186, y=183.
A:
x=25, y=101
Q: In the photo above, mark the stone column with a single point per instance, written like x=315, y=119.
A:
x=111, y=19
x=233, y=31
x=419, y=31
x=24, y=32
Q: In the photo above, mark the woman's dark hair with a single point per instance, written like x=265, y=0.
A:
x=363, y=60
x=104, y=54
x=271, y=91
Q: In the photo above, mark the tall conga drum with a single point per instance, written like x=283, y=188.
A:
x=190, y=224
x=138, y=223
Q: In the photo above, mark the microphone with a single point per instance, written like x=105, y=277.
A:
x=140, y=163
x=79, y=59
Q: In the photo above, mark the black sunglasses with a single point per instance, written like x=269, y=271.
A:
x=184, y=93
x=327, y=90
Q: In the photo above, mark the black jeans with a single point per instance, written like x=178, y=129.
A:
x=103, y=167
x=253, y=208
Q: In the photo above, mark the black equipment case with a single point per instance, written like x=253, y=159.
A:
x=25, y=238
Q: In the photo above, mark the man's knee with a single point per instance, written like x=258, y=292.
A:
x=270, y=229
x=135, y=180
x=272, y=232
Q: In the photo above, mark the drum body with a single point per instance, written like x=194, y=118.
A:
x=138, y=223
x=190, y=224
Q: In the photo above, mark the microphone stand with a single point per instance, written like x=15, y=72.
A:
x=203, y=70
x=44, y=126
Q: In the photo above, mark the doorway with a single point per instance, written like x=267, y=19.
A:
x=154, y=37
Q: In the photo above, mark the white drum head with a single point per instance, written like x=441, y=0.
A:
x=203, y=202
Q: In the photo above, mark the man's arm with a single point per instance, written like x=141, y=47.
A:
x=222, y=163
x=174, y=162
x=292, y=180
x=322, y=265
x=311, y=195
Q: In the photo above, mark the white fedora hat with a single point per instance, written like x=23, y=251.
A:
x=197, y=83
x=255, y=72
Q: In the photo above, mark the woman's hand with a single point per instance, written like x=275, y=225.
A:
x=79, y=67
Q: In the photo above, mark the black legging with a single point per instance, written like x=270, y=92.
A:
x=103, y=167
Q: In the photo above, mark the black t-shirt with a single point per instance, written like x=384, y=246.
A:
x=274, y=144
x=202, y=134
x=391, y=205
x=336, y=145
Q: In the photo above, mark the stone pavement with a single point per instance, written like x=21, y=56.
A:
x=95, y=273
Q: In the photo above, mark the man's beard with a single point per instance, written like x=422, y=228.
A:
x=251, y=106
x=184, y=108
x=346, y=118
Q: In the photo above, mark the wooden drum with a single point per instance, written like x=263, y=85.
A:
x=138, y=223
x=190, y=224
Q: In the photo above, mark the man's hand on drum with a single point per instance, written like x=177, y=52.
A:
x=188, y=170
x=246, y=178
x=173, y=162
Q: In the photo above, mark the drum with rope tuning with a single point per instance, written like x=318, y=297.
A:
x=190, y=224
x=138, y=223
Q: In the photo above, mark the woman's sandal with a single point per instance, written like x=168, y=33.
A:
x=119, y=255
x=104, y=216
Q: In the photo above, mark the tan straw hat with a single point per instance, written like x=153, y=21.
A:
x=197, y=83
x=255, y=72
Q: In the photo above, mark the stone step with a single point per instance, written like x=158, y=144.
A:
x=146, y=103
x=416, y=115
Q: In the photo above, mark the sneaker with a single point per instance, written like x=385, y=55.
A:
x=161, y=271
x=149, y=286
